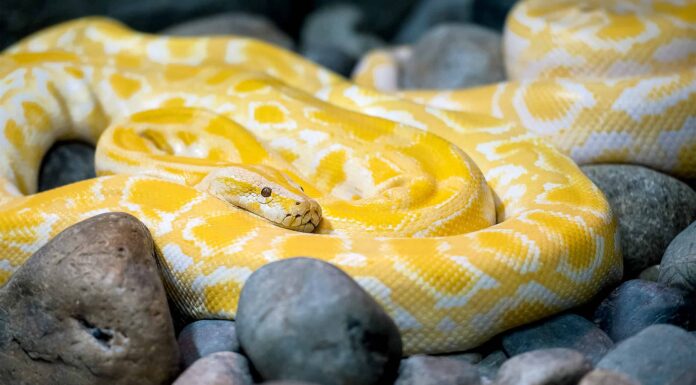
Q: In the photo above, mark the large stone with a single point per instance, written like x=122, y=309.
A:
x=652, y=209
x=304, y=319
x=678, y=266
x=429, y=13
x=637, y=304
x=489, y=365
x=221, y=368
x=556, y=366
x=563, y=331
x=201, y=338
x=65, y=163
x=656, y=356
x=430, y=370
x=89, y=308
x=605, y=377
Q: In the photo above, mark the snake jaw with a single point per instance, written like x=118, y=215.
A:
x=305, y=217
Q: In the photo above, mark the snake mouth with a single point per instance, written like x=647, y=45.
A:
x=304, y=220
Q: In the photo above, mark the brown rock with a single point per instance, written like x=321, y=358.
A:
x=222, y=368
x=88, y=308
x=606, y=377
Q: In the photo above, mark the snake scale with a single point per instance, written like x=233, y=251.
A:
x=447, y=206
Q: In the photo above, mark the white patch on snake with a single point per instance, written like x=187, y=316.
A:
x=554, y=59
x=671, y=142
x=597, y=143
x=638, y=101
x=478, y=280
x=677, y=49
x=446, y=325
x=221, y=275
x=350, y=260
x=312, y=137
x=399, y=116
x=382, y=293
x=7, y=266
x=235, y=52
x=178, y=260
x=506, y=173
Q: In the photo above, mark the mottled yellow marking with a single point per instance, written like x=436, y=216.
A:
x=36, y=116
x=175, y=72
x=269, y=114
x=250, y=85
x=75, y=72
x=622, y=27
x=174, y=102
x=14, y=134
x=188, y=138
x=123, y=86
x=124, y=59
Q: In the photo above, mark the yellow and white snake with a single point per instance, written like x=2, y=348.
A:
x=446, y=206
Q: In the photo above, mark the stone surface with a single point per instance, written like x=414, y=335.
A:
x=221, y=368
x=65, y=163
x=287, y=383
x=652, y=273
x=652, y=209
x=470, y=357
x=656, y=356
x=686, y=378
x=89, y=308
x=678, y=266
x=563, y=331
x=242, y=24
x=556, y=366
x=304, y=319
x=454, y=56
x=489, y=365
x=331, y=57
x=429, y=13
x=430, y=370
x=606, y=377
x=637, y=304
x=201, y=338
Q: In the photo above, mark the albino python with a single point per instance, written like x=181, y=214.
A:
x=462, y=224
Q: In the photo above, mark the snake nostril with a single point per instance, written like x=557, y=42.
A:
x=297, y=203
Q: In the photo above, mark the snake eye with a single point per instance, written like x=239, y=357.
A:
x=266, y=192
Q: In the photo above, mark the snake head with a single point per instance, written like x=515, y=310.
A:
x=265, y=192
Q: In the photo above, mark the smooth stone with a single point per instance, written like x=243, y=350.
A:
x=221, y=368
x=201, y=338
x=304, y=319
x=686, y=378
x=89, y=308
x=657, y=355
x=454, y=56
x=429, y=13
x=652, y=273
x=637, y=304
x=331, y=57
x=652, y=208
x=470, y=357
x=431, y=370
x=558, y=366
x=606, y=377
x=65, y=163
x=563, y=331
x=489, y=365
x=241, y=24
x=678, y=266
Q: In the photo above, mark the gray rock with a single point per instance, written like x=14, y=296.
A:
x=489, y=365
x=563, y=331
x=288, y=383
x=652, y=209
x=89, y=308
x=470, y=357
x=652, y=273
x=331, y=57
x=242, y=24
x=637, y=304
x=429, y=13
x=606, y=377
x=556, y=366
x=201, y=338
x=304, y=319
x=454, y=56
x=65, y=163
x=221, y=368
x=430, y=370
x=656, y=356
x=686, y=378
x=679, y=262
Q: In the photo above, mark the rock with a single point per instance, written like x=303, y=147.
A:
x=89, y=308
x=489, y=366
x=563, y=331
x=221, y=368
x=304, y=319
x=678, y=266
x=605, y=377
x=65, y=163
x=656, y=356
x=470, y=357
x=287, y=383
x=652, y=208
x=650, y=274
x=686, y=378
x=201, y=338
x=454, y=56
x=381, y=17
x=430, y=370
x=429, y=13
x=242, y=24
x=637, y=304
x=556, y=366
x=331, y=57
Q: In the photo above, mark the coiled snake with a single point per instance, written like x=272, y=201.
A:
x=462, y=224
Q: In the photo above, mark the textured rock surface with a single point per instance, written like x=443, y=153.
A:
x=222, y=368
x=637, y=304
x=605, y=377
x=304, y=319
x=429, y=13
x=652, y=209
x=89, y=308
x=652, y=273
x=429, y=370
x=678, y=266
x=544, y=367
x=656, y=356
x=564, y=331
x=65, y=163
x=201, y=338
x=489, y=365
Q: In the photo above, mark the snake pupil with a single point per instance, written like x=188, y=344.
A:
x=266, y=192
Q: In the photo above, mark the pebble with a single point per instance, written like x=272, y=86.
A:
x=65, y=163
x=558, y=366
x=489, y=365
x=652, y=273
x=430, y=370
x=89, y=308
x=606, y=377
x=657, y=355
x=678, y=266
x=652, y=208
x=305, y=319
x=201, y=338
x=687, y=378
x=429, y=13
x=563, y=331
x=242, y=24
x=454, y=56
x=221, y=368
x=637, y=304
